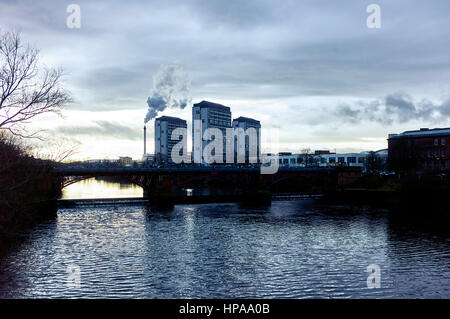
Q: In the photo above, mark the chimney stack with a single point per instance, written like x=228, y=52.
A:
x=145, y=139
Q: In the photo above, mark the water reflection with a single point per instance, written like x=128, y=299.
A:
x=291, y=249
x=101, y=188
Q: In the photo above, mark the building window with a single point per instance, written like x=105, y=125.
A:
x=351, y=159
x=361, y=160
x=341, y=159
x=436, y=141
x=443, y=141
x=332, y=160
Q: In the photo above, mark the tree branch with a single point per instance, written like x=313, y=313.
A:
x=26, y=91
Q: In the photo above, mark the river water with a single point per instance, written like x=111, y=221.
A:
x=291, y=249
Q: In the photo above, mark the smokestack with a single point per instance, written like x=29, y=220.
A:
x=145, y=139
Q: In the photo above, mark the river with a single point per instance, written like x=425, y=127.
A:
x=290, y=249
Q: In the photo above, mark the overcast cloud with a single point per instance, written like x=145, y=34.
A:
x=303, y=66
x=101, y=129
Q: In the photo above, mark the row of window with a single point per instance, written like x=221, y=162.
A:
x=219, y=118
x=224, y=115
x=332, y=160
x=442, y=140
x=436, y=152
x=435, y=165
x=219, y=122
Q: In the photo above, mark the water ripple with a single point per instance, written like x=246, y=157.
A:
x=293, y=249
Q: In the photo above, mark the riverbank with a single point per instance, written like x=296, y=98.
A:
x=28, y=191
x=412, y=195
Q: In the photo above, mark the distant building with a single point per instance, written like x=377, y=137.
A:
x=419, y=151
x=250, y=148
x=147, y=158
x=207, y=115
x=102, y=162
x=289, y=159
x=125, y=160
x=322, y=152
x=164, y=126
x=322, y=159
x=347, y=159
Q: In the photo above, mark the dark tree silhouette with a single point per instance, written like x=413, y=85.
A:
x=374, y=163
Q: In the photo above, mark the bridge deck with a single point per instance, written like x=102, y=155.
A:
x=77, y=171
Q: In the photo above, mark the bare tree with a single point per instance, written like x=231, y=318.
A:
x=26, y=89
x=308, y=157
x=374, y=163
x=56, y=150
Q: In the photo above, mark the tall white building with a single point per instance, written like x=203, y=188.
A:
x=164, y=127
x=207, y=115
x=247, y=140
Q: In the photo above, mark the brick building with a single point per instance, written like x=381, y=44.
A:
x=424, y=150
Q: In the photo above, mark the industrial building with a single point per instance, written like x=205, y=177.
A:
x=206, y=115
x=247, y=139
x=164, y=126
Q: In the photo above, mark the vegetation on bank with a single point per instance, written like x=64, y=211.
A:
x=376, y=182
x=26, y=186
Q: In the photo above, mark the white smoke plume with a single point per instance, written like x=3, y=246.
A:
x=171, y=89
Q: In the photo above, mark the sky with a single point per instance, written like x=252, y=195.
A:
x=313, y=70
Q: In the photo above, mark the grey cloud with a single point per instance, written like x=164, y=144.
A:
x=348, y=113
x=399, y=103
x=395, y=108
x=102, y=129
x=445, y=108
x=405, y=109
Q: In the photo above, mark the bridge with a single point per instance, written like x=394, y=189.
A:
x=168, y=183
